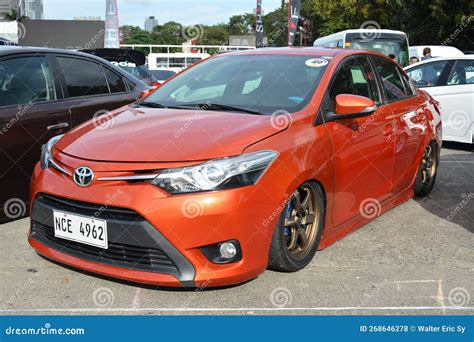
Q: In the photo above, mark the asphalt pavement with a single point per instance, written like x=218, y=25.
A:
x=415, y=259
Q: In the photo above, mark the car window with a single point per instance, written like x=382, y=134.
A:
x=462, y=73
x=427, y=75
x=83, y=77
x=115, y=81
x=265, y=84
x=355, y=77
x=26, y=80
x=409, y=84
x=391, y=81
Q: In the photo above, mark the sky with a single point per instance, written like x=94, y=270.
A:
x=134, y=12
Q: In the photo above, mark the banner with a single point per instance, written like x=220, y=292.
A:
x=294, y=10
x=259, y=26
x=112, y=32
x=237, y=328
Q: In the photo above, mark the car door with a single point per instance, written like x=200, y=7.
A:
x=408, y=111
x=92, y=88
x=363, y=150
x=456, y=96
x=31, y=112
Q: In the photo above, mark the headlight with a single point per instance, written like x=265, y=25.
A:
x=46, y=151
x=218, y=174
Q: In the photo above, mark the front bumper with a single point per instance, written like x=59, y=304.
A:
x=155, y=238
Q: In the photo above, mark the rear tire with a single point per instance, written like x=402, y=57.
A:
x=297, y=235
x=427, y=171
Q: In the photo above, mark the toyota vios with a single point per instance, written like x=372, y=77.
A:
x=246, y=161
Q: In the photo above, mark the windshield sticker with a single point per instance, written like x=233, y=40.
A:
x=316, y=62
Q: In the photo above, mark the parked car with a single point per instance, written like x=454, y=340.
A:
x=245, y=161
x=43, y=93
x=436, y=51
x=451, y=82
x=163, y=74
x=131, y=61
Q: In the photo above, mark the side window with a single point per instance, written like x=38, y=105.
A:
x=427, y=75
x=83, y=77
x=26, y=80
x=462, y=73
x=410, y=87
x=115, y=81
x=391, y=81
x=340, y=44
x=355, y=77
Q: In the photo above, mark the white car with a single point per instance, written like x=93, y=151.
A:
x=436, y=51
x=450, y=81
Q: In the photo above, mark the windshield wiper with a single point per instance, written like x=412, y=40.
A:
x=158, y=105
x=219, y=106
x=150, y=105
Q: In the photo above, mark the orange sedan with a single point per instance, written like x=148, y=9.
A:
x=246, y=161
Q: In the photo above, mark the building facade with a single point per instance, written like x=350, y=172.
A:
x=150, y=24
x=32, y=9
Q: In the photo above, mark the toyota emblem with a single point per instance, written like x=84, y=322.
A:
x=83, y=176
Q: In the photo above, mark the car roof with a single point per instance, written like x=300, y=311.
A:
x=9, y=50
x=434, y=59
x=302, y=51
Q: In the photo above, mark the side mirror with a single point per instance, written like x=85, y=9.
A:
x=352, y=106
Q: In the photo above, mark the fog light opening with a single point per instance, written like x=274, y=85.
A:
x=227, y=250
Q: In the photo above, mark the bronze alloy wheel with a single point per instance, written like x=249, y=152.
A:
x=301, y=222
x=428, y=165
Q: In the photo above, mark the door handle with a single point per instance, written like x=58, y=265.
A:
x=58, y=126
x=388, y=130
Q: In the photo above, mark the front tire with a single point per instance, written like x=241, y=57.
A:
x=427, y=171
x=298, y=232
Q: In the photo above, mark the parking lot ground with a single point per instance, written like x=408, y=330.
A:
x=415, y=259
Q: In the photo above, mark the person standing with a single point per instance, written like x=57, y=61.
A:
x=426, y=53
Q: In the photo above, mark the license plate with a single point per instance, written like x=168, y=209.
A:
x=82, y=229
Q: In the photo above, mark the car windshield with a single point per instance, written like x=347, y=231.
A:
x=383, y=43
x=261, y=83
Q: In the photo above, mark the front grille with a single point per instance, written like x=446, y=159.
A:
x=133, y=242
x=120, y=255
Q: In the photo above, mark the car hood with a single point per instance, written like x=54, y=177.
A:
x=166, y=135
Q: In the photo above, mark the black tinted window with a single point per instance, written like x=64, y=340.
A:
x=392, y=83
x=83, y=77
x=115, y=81
x=355, y=77
x=462, y=73
x=25, y=80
